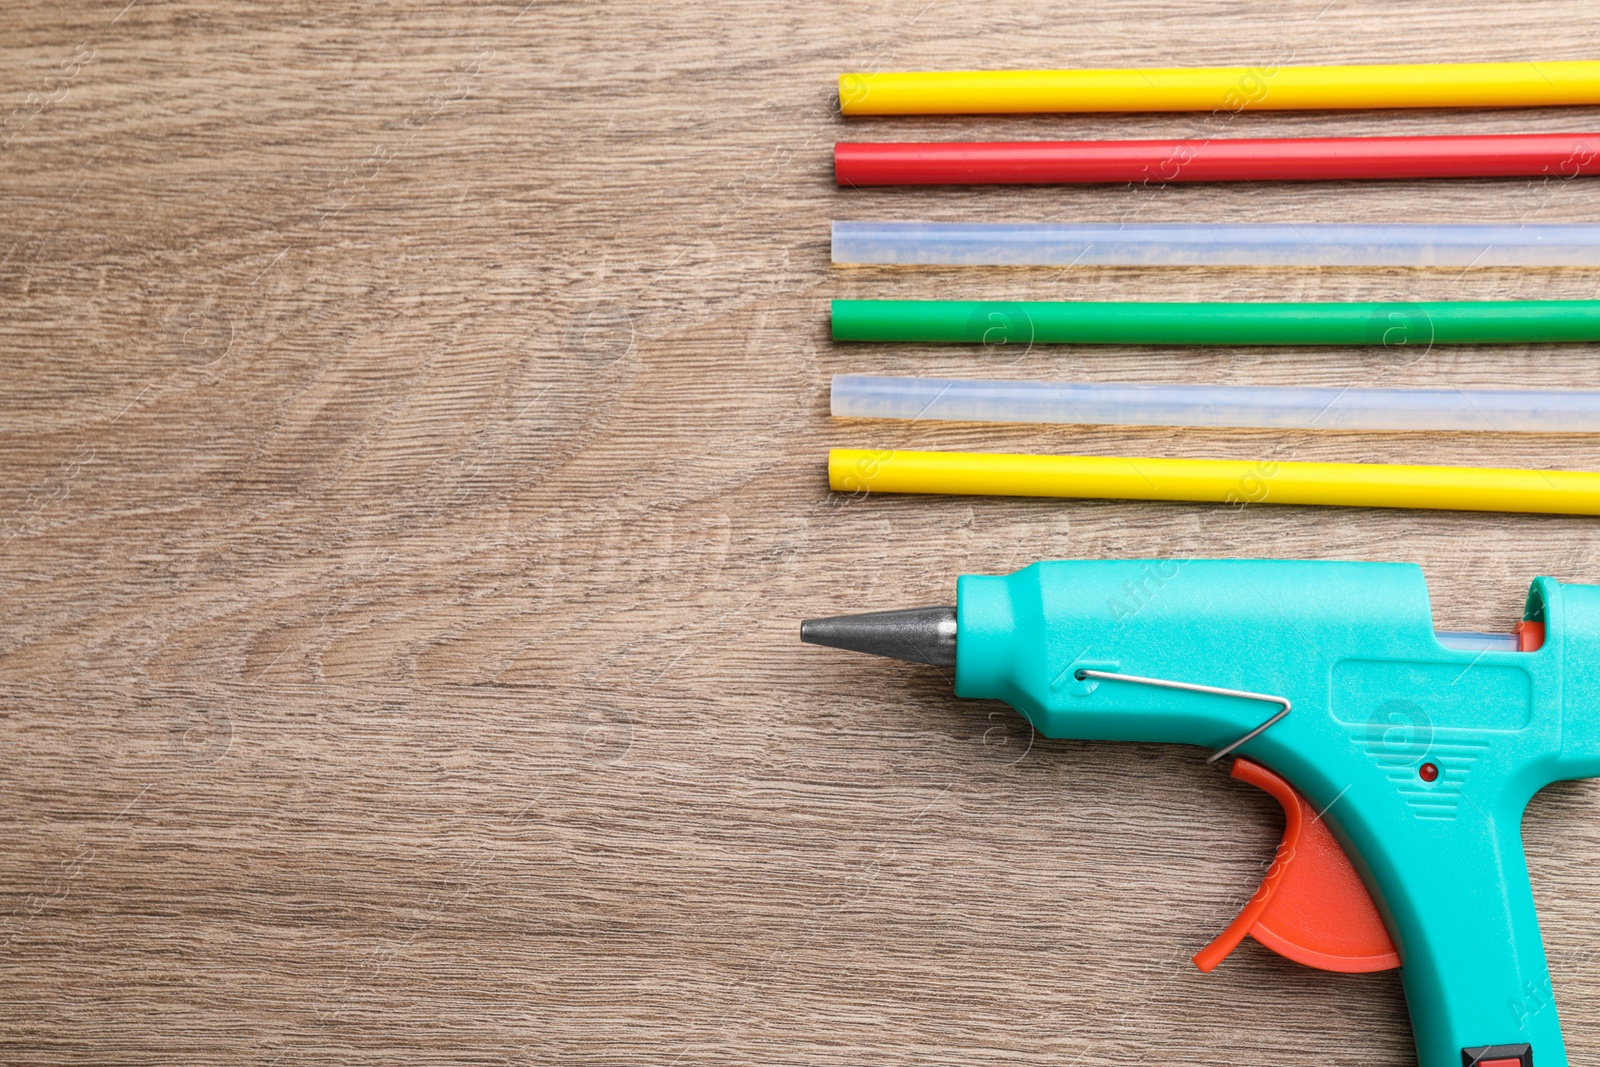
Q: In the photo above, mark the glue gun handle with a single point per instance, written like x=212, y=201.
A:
x=1472, y=959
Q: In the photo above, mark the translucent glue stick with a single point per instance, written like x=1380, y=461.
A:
x=1276, y=244
x=1274, y=407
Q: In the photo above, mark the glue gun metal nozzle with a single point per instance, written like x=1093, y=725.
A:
x=921, y=635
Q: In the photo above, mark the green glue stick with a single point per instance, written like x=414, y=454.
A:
x=1455, y=322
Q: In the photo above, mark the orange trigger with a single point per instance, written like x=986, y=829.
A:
x=1312, y=907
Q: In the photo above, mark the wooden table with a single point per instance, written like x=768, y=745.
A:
x=412, y=439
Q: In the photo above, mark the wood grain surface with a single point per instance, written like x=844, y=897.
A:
x=411, y=476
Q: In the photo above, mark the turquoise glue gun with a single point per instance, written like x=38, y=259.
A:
x=1418, y=749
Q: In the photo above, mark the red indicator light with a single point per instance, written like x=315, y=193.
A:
x=1428, y=772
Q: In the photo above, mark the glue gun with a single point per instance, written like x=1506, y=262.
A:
x=1403, y=756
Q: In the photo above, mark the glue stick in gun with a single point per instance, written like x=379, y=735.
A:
x=1418, y=749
